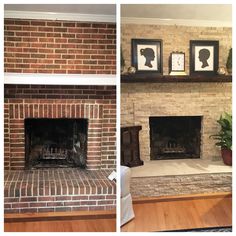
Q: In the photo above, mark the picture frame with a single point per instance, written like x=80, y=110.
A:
x=177, y=61
x=204, y=57
x=147, y=55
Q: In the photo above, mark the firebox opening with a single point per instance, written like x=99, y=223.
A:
x=55, y=143
x=175, y=137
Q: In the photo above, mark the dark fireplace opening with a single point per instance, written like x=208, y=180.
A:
x=55, y=143
x=176, y=137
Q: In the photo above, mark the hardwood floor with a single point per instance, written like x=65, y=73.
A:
x=104, y=221
x=182, y=212
x=100, y=225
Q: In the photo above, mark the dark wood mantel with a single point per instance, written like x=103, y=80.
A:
x=145, y=78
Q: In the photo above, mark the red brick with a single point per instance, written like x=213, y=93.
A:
x=7, y=206
x=55, y=204
x=39, y=23
x=88, y=203
x=72, y=203
x=45, y=29
x=80, y=197
x=46, y=209
x=63, y=198
x=20, y=205
x=47, y=199
x=54, y=23
x=22, y=22
x=38, y=204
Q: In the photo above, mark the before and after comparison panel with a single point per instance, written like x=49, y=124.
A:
x=117, y=117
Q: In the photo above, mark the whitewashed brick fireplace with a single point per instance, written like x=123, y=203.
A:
x=139, y=101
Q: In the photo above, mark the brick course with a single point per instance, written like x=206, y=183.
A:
x=97, y=103
x=46, y=46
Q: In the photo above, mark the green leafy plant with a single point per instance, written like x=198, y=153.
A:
x=122, y=60
x=229, y=60
x=224, y=136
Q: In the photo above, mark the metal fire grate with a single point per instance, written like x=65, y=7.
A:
x=50, y=153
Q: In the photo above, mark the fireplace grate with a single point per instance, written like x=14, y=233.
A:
x=54, y=153
x=53, y=143
x=176, y=137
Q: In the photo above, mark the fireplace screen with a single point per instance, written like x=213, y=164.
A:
x=175, y=137
x=55, y=143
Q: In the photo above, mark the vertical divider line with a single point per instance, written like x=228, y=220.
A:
x=118, y=25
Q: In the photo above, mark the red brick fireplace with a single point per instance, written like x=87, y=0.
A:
x=40, y=56
x=60, y=189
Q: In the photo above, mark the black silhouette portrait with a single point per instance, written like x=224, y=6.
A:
x=203, y=56
x=149, y=55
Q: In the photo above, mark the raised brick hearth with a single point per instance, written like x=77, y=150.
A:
x=61, y=189
x=95, y=103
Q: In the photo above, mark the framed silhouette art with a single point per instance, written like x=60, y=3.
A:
x=204, y=57
x=147, y=55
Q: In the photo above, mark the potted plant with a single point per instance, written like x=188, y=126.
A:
x=229, y=62
x=224, y=137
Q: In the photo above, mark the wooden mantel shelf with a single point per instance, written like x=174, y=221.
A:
x=141, y=78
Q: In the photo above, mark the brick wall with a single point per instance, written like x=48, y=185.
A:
x=46, y=46
x=97, y=103
x=175, y=38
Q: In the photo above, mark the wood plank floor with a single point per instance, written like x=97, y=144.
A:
x=99, y=225
x=81, y=221
x=175, y=213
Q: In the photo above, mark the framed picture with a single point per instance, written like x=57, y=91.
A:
x=147, y=55
x=177, y=62
x=204, y=57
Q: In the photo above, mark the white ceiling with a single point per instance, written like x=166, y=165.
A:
x=98, y=9
x=207, y=12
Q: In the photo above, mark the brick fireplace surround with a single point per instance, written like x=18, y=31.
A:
x=62, y=189
x=139, y=101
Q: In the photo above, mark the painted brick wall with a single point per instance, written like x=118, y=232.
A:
x=175, y=38
x=46, y=46
x=210, y=100
x=97, y=103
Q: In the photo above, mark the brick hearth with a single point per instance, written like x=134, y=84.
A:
x=65, y=189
